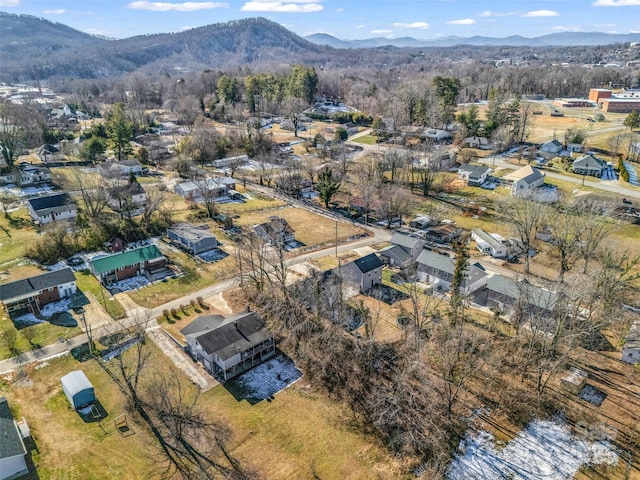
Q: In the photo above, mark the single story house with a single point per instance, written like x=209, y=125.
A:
x=524, y=181
x=13, y=463
x=275, y=232
x=226, y=162
x=488, y=244
x=229, y=346
x=588, y=165
x=364, y=272
x=421, y=222
x=631, y=348
x=196, y=190
x=482, y=143
x=438, y=270
x=474, y=175
x=445, y=233
x=129, y=197
x=147, y=261
x=553, y=147
x=193, y=239
x=52, y=208
x=358, y=203
x=395, y=256
x=437, y=135
x=26, y=175
x=29, y=294
x=351, y=128
x=120, y=169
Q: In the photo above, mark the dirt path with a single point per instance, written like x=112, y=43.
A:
x=131, y=307
x=219, y=303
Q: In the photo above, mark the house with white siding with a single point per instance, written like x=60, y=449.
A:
x=437, y=270
x=52, y=208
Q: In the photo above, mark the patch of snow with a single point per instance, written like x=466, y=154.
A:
x=47, y=312
x=269, y=378
x=544, y=449
x=133, y=283
x=85, y=410
x=212, y=255
x=57, y=266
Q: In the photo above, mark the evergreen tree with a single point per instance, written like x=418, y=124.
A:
x=119, y=128
x=459, y=272
x=327, y=186
x=633, y=120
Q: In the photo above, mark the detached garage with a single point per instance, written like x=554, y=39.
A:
x=78, y=389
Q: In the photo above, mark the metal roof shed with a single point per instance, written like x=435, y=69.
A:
x=78, y=389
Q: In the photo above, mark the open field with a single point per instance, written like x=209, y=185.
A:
x=289, y=437
x=310, y=229
x=366, y=139
x=16, y=233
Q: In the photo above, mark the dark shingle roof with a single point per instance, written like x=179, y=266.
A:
x=368, y=263
x=50, y=201
x=11, y=444
x=203, y=324
x=395, y=251
x=29, y=285
x=235, y=334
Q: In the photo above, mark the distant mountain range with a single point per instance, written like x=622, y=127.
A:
x=34, y=48
x=563, y=39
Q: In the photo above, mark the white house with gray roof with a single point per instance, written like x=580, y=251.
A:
x=364, y=272
x=524, y=181
x=13, y=453
x=403, y=251
x=488, y=244
x=438, y=269
x=588, y=165
x=52, y=208
x=191, y=238
x=474, y=175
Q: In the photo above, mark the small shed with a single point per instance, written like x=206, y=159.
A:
x=78, y=389
x=574, y=380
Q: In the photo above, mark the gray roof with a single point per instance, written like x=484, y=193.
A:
x=475, y=171
x=503, y=285
x=488, y=239
x=633, y=338
x=29, y=285
x=447, y=265
x=589, y=162
x=235, y=334
x=203, y=324
x=406, y=241
x=395, y=251
x=56, y=202
x=191, y=232
x=75, y=382
x=368, y=263
x=11, y=444
x=536, y=296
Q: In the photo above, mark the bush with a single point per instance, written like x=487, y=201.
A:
x=165, y=314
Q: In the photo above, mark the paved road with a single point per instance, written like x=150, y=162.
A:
x=630, y=192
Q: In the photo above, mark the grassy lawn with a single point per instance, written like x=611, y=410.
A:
x=88, y=283
x=16, y=233
x=366, y=139
x=196, y=275
x=310, y=229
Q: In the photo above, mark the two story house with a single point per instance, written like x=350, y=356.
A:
x=226, y=347
x=29, y=294
x=146, y=261
x=365, y=272
x=474, y=175
x=193, y=239
x=524, y=181
x=438, y=270
x=128, y=198
x=402, y=252
x=275, y=232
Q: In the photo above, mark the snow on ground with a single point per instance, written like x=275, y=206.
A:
x=57, y=266
x=268, y=378
x=213, y=255
x=133, y=283
x=47, y=312
x=544, y=450
x=26, y=191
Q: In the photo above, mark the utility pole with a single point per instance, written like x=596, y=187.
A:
x=336, y=239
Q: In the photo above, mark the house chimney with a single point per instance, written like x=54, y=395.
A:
x=235, y=324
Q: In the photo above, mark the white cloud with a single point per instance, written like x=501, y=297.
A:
x=423, y=25
x=339, y=9
x=9, y=3
x=178, y=7
x=566, y=29
x=57, y=11
x=616, y=3
x=489, y=13
x=462, y=21
x=381, y=31
x=359, y=27
x=290, y=6
x=541, y=13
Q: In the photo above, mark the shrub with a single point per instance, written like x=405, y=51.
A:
x=165, y=313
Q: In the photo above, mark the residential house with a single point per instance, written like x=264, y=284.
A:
x=229, y=346
x=481, y=143
x=365, y=272
x=275, y=232
x=488, y=244
x=29, y=294
x=438, y=270
x=588, y=165
x=508, y=296
x=437, y=135
x=193, y=239
x=26, y=175
x=574, y=147
x=351, y=128
x=13, y=453
x=129, y=198
x=403, y=252
x=197, y=190
x=438, y=160
x=49, y=153
x=147, y=261
x=631, y=348
x=553, y=147
x=524, y=181
x=422, y=222
x=225, y=162
x=52, y=208
x=357, y=203
x=121, y=169
x=474, y=175
x=445, y=233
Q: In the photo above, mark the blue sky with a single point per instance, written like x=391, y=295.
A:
x=347, y=19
